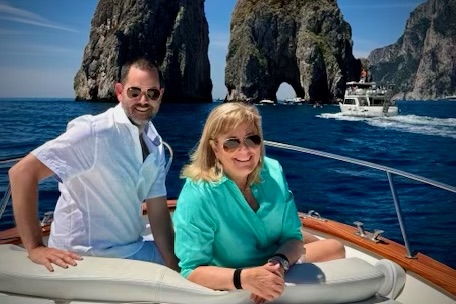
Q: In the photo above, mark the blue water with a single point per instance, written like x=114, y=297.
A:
x=422, y=140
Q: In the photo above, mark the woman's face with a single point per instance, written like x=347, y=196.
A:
x=238, y=162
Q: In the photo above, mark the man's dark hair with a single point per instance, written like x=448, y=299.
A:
x=143, y=64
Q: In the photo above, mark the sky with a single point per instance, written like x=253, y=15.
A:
x=42, y=42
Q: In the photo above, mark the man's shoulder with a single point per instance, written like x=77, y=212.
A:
x=100, y=121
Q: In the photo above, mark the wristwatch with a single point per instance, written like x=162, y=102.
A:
x=283, y=262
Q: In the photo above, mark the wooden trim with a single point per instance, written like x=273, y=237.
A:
x=442, y=276
x=11, y=236
x=433, y=271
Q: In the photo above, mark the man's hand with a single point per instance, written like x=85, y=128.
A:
x=48, y=256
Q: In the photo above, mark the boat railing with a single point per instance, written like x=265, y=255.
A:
x=390, y=172
x=7, y=195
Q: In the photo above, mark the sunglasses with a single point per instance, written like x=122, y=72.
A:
x=136, y=93
x=250, y=141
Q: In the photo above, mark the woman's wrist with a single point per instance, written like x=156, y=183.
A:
x=237, y=278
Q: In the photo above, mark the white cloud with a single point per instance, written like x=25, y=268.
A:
x=29, y=49
x=11, y=13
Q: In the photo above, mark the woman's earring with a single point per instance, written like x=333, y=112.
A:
x=218, y=167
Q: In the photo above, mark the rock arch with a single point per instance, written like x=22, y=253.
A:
x=304, y=43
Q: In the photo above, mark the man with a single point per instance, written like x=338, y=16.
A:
x=107, y=165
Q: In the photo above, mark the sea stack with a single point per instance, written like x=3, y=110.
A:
x=173, y=33
x=422, y=62
x=306, y=44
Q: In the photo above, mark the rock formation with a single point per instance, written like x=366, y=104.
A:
x=422, y=63
x=304, y=43
x=173, y=33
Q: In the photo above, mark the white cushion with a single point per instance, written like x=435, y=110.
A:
x=120, y=280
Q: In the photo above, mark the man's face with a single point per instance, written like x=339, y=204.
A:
x=140, y=95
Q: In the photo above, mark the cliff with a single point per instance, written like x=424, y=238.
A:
x=305, y=43
x=422, y=63
x=173, y=33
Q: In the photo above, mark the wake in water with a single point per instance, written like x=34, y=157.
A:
x=445, y=127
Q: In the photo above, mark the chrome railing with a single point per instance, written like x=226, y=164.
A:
x=388, y=170
x=389, y=173
x=7, y=195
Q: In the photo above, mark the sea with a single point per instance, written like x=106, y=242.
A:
x=421, y=141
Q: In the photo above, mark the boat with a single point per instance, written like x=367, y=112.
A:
x=376, y=269
x=367, y=99
x=295, y=100
x=450, y=98
x=266, y=102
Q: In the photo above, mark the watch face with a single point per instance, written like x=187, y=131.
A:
x=281, y=261
x=285, y=264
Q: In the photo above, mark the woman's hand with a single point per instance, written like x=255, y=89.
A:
x=265, y=282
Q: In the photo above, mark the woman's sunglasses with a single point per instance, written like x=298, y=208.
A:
x=232, y=144
x=136, y=93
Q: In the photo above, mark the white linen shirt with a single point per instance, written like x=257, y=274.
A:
x=102, y=182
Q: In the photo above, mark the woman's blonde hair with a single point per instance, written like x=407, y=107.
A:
x=221, y=120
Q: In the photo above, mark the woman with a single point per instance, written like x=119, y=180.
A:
x=236, y=222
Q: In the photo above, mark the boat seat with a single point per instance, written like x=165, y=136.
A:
x=119, y=280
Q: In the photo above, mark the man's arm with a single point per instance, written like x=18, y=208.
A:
x=162, y=229
x=24, y=178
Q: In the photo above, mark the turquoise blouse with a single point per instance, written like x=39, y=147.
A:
x=214, y=224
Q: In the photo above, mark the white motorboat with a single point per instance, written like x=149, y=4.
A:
x=451, y=98
x=295, y=100
x=267, y=102
x=376, y=270
x=366, y=99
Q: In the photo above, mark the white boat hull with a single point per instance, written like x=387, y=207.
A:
x=367, y=111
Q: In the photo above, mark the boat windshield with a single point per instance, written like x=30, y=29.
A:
x=377, y=101
x=350, y=101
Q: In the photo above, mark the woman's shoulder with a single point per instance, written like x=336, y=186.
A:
x=196, y=190
x=198, y=185
x=271, y=165
x=195, y=200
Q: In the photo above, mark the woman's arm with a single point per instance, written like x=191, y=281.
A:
x=263, y=281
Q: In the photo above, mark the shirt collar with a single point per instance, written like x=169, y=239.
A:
x=120, y=116
x=149, y=130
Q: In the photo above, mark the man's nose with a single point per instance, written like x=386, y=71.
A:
x=144, y=98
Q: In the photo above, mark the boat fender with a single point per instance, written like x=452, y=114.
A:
x=394, y=278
